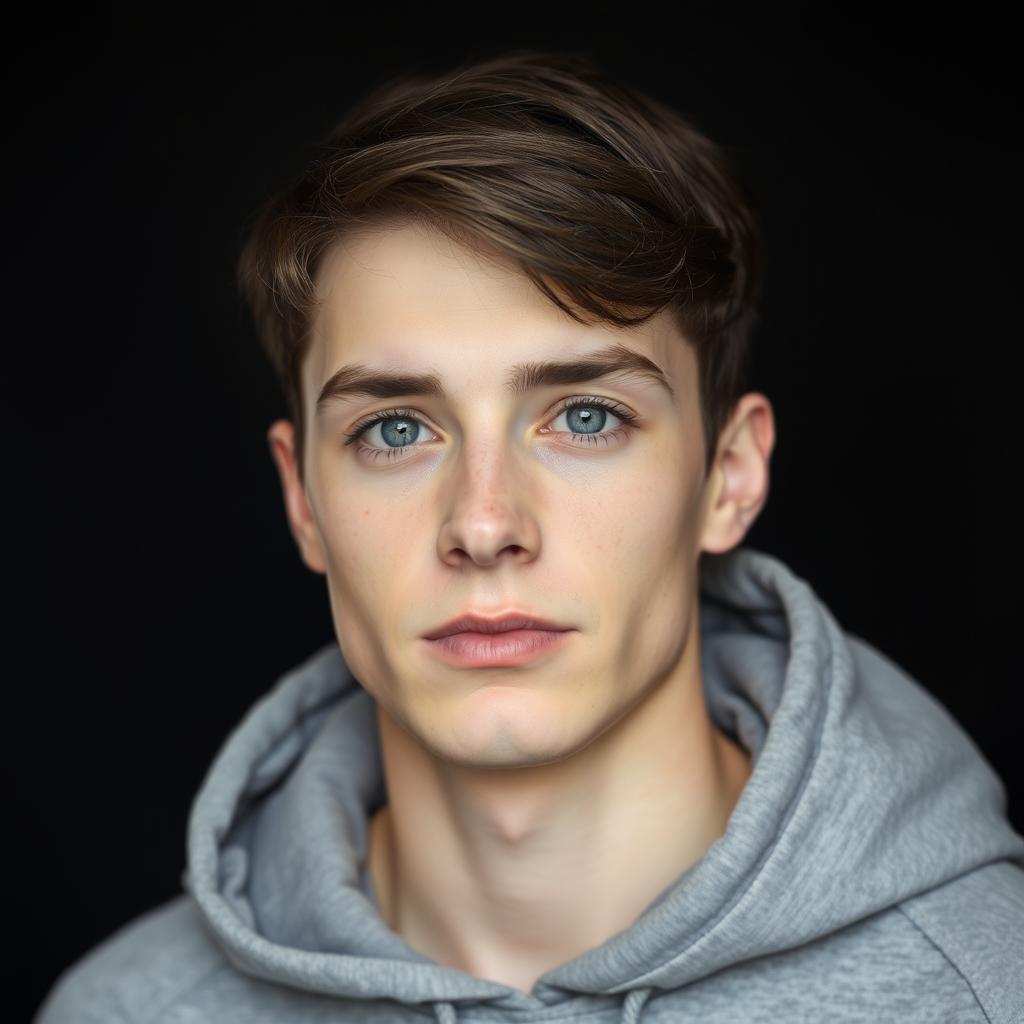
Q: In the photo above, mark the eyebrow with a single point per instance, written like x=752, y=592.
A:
x=358, y=380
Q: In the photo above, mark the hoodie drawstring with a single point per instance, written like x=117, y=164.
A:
x=633, y=1004
x=632, y=1007
x=445, y=1012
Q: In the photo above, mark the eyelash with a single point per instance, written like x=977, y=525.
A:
x=628, y=419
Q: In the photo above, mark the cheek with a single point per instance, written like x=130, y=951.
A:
x=367, y=551
x=635, y=523
x=369, y=524
x=632, y=546
x=368, y=543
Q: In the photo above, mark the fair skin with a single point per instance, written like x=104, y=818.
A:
x=533, y=811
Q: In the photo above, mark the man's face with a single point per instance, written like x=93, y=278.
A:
x=489, y=499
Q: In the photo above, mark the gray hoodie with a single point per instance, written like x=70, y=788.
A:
x=867, y=873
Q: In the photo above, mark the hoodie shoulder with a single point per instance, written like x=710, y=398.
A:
x=977, y=921
x=143, y=967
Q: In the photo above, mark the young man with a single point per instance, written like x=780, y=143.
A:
x=576, y=753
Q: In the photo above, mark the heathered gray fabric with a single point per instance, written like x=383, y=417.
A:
x=868, y=872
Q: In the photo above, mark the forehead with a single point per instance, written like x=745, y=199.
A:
x=419, y=263
x=404, y=295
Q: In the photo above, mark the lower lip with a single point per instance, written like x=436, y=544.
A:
x=516, y=647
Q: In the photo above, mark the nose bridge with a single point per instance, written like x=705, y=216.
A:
x=488, y=464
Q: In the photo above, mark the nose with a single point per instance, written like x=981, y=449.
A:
x=490, y=513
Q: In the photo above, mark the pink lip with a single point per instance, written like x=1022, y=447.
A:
x=513, y=647
x=473, y=622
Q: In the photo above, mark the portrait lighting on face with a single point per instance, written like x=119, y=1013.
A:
x=473, y=451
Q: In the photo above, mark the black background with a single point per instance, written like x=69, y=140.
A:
x=154, y=590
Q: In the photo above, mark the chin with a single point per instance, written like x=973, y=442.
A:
x=505, y=726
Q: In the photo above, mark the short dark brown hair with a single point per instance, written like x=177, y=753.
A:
x=611, y=203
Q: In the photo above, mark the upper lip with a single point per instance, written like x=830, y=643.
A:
x=472, y=622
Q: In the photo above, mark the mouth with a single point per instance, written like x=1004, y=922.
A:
x=473, y=649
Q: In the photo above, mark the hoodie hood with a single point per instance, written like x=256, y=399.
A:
x=864, y=792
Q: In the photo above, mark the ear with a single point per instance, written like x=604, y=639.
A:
x=300, y=518
x=738, y=483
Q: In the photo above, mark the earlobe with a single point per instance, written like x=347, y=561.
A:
x=281, y=438
x=740, y=478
